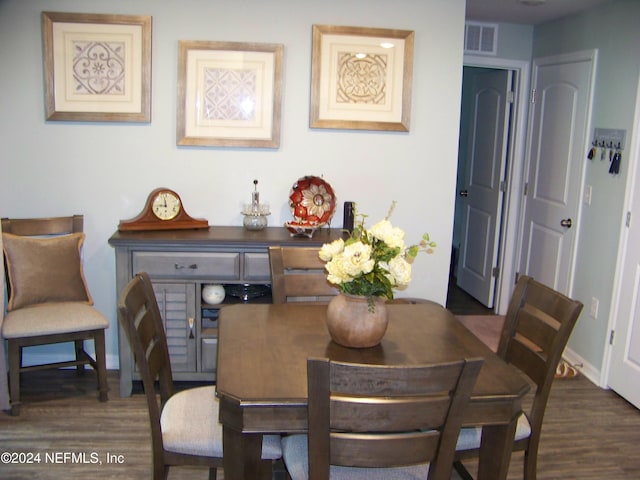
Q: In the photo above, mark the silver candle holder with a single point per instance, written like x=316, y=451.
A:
x=255, y=213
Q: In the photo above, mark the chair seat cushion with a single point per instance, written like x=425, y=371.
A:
x=190, y=425
x=296, y=459
x=52, y=318
x=469, y=438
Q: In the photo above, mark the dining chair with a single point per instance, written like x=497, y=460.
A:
x=184, y=425
x=49, y=302
x=298, y=274
x=380, y=422
x=537, y=326
x=5, y=404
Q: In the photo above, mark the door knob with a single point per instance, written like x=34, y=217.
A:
x=566, y=222
x=464, y=193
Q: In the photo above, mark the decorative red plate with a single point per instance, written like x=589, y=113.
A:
x=312, y=201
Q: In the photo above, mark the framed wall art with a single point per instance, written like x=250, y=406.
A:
x=229, y=94
x=361, y=78
x=97, y=67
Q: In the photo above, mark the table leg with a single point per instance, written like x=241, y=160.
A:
x=242, y=453
x=495, y=451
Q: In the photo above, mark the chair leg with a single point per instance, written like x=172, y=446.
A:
x=213, y=473
x=266, y=469
x=79, y=347
x=462, y=470
x=531, y=463
x=15, y=355
x=101, y=364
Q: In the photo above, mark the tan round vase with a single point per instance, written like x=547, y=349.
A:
x=351, y=323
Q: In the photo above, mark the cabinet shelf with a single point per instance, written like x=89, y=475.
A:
x=209, y=332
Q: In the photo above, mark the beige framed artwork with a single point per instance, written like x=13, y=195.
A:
x=229, y=94
x=97, y=67
x=361, y=78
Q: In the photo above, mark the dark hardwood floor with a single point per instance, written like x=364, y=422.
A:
x=589, y=433
x=461, y=303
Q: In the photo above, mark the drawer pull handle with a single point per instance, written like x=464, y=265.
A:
x=193, y=266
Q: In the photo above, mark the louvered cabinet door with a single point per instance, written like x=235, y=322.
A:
x=177, y=307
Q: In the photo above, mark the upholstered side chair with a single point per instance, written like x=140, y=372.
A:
x=536, y=329
x=49, y=301
x=5, y=404
x=298, y=274
x=375, y=422
x=184, y=425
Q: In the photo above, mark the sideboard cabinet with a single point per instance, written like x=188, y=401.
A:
x=180, y=263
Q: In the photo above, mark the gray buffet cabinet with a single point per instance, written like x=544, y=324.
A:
x=180, y=263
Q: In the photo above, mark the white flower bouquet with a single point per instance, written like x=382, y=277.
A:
x=372, y=262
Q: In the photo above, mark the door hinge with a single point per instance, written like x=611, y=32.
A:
x=510, y=96
x=526, y=188
x=495, y=272
x=628, y=221
x=612, y=336
x=533, y=95
x=503, y=186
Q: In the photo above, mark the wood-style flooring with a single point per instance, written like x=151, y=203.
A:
x=461, y=303
x=589, y=433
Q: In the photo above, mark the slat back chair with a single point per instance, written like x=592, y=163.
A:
x=49, y=301
x=298, y=274
x=389, y=421
x=536, y=330
x=184, y=425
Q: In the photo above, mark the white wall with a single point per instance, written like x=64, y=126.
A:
x=106, y=171
x=613, y=30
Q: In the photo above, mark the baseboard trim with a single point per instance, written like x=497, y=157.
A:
x=585, y=368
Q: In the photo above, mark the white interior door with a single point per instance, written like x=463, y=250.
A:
x=562, y=89
x=482, y=193
x=624, y=365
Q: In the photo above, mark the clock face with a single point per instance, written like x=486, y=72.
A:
x=166, y=205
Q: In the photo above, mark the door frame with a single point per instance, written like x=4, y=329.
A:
x=509, y=252
x=634, y=165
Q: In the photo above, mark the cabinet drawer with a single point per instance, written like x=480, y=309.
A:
x=256, y=267
x=218, y=265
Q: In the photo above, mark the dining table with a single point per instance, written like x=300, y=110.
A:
x=261, y=378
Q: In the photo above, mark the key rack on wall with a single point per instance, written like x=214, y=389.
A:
x=608, y=144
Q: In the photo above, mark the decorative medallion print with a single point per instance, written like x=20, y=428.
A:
x=99, y=68
x=361, y=78
x=230, y=94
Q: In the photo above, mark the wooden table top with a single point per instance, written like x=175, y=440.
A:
x=263, y=349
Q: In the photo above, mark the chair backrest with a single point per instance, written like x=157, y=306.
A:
x=537, y=327
x=30, y=227
x=386, y=416
x=298, y=274
x=140, y=318
x=4, y=387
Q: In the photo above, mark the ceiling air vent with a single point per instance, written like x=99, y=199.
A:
x=480, y=38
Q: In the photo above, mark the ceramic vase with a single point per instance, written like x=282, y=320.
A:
x=352, y=323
